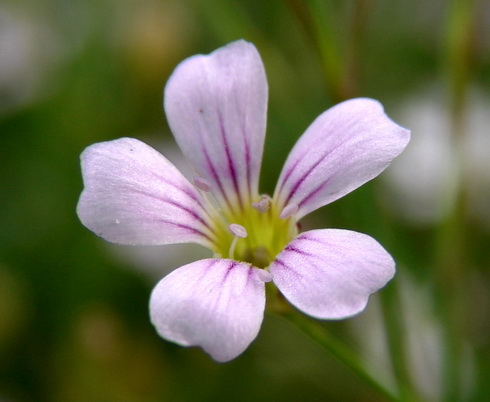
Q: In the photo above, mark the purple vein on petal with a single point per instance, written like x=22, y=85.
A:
x=293, y=249
x=286, y=266
x=250, y=273
x=289, y=172
x=191, y=193
x=313, y=193
x=230, y=164
x=189, y=211
x=246, y=146
x=302, y=179
x=306, y=236
x=187, y=227
x=213, y=263
x=327, y=245
x=209, y=162
x=345, y=127
x=232, y=265
x=214, y=173
x=184, y=190
x=307, y=173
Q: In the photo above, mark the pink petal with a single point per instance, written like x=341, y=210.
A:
x=344, y=148
x=330, y=273
x=133, y=195
x=216, y=304
x=216, y=107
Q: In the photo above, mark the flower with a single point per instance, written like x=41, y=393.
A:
x=425, y=181
x=216, y=108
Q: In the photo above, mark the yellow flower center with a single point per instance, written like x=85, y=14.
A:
x=266, y=233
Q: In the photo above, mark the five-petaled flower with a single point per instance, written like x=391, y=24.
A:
x=216, y=107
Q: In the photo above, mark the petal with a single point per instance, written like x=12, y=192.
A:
x=216, y=304
x=216, y=107
x=344, y=148
x=330, y=273
x=133, y=195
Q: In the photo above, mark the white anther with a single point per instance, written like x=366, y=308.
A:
x=202, y=184
x=264, y=276
x=238, y=230
x=263, y=204
x=289, y=211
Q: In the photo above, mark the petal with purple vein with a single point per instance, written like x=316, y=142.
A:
x=330, y=273
x=345, y=147
x=216, y=107
x=134, y=195
x=217, y=304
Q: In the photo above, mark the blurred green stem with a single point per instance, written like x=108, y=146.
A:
x=328, y=47
x=337, y=349
x=353, y=49
x=317, y=21
x=340, y=54
x=393, y=315
x=451, y=269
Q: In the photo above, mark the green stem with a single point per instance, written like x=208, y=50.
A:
x=340, y=59
x=337, y=349
x=450, y=249
x=393, y=315
x=317, y=22
x=328, y=47
x=356, y=37
x=450, y=282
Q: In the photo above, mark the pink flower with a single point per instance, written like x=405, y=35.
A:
x=216, y=107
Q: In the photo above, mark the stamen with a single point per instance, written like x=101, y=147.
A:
x=202, y=184
x=289, y=211
x=239, y=232
x=205, y=186
x=263, y=204
x=264, y=276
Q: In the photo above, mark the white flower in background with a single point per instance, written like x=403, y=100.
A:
x=423, y=346
x=424, y=180
x=29, y=50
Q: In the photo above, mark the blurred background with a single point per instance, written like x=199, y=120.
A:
x=74, y=322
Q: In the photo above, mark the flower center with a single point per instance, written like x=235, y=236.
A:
x=256, y=234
